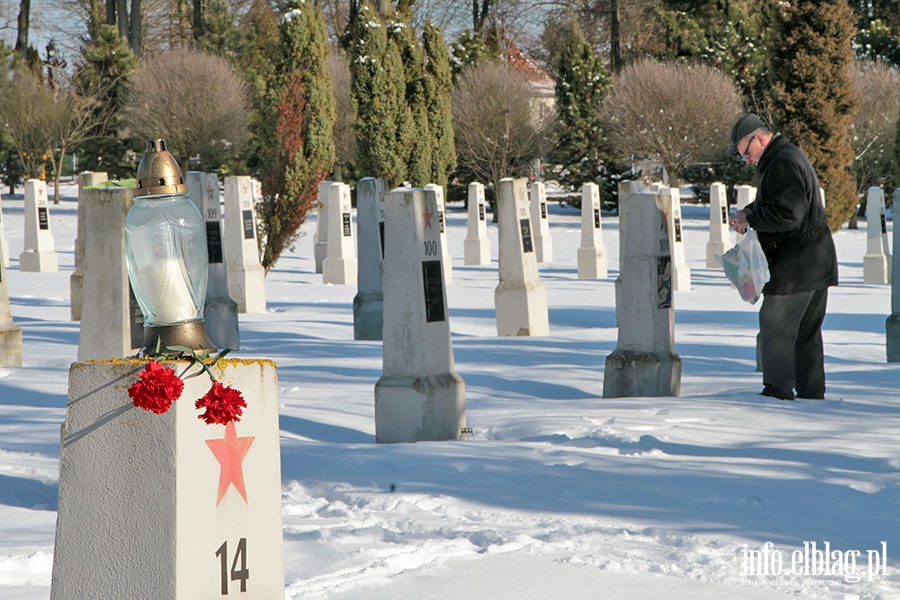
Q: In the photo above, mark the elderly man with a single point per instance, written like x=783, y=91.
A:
x=789, y=220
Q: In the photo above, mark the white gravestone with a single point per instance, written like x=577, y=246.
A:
x=442, y=221
x=893, y=321
x=340, y=266
x=670, y=200
x=520, y=298
x=76, y=280
x=246, y=277
x=540, y=224
x=164, y=506
x=477, y=243
x=625, y=189
x=10, y=333
x=4, y=243
x=320, y=237
x=744, y=195
x=719, y=234
x=111, y=320
x=419, y=395
x=368, y=304
x=220, y=311
x=876, y=269
x=39, y=255
x=644, y=362
x=592, y=259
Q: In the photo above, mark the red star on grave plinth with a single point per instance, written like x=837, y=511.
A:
x=428, y=216
x=230, y=452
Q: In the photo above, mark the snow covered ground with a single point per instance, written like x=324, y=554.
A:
x=560, y=493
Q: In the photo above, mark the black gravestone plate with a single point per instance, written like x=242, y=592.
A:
x=527, y=245
x=724, y=215
x=677, y=230
x=883, y=224
x=543, y=210
x=137, y=320
x=441, y=219
x=433, y=277
x=43, y=223
x=248, y=225
x=481, y=212
x=596, y=218
x=345, y=218
x=214, y=242
x=663, y=282
x=381, y=236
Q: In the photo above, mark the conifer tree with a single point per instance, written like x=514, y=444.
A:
x=812, y=96
x=300, y=120
x=414, y=137
x=581, y=82
x=438, y=90
x=377, y=98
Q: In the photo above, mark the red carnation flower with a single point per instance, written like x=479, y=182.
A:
x=223, y=405
x=156, y=389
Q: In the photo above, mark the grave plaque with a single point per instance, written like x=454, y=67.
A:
x=434, y=291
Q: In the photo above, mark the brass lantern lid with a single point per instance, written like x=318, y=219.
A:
x=158, y=172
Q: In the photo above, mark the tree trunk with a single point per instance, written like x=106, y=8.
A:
x=23, y=24
x=615, y=46
x=122, y=20
x=110, y=12
x=198, y=20
x=136, y=34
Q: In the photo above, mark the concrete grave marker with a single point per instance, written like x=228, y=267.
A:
x=719, y=236
x=419, y=395
x=477, y=243
x=893, y=321
x=368, y=304
x=877, y=259
x=340, y=266
x=520, y=297
x=164, y=506
x=4, y=243
x=111, y=320
x=246, y=276
x=442, y=218
x=10, y=333
x=644, y=362
x=745, y=194
x=670, y=200
x=39, y=255
x=76, y=280
x=220, y=311
x=592, y=261
x=320, y=237
x=543, y=243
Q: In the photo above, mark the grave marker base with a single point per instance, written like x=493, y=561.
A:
x=38, y=262
x=416, y=409
x=477, y=251
x=591, y=264
x=368, y=316
x=10, y=345
x=641, y=374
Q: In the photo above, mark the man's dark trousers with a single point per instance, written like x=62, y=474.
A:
x=790, y=328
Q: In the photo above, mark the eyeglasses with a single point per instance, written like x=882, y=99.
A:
x=746, y=153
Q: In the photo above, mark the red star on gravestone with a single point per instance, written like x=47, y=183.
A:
x=230, y=452
x=40, y=191
x=428, y=216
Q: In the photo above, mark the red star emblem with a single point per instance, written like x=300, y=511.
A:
x=428, y=216
x=230, y=452
x=40, y=191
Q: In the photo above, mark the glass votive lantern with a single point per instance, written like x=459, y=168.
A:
x=165, y=246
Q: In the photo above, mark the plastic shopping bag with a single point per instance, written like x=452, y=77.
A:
x=746, y=267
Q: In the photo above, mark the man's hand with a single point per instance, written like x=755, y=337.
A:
x=739, y=221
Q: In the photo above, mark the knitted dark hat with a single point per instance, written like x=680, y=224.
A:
x=744, y=126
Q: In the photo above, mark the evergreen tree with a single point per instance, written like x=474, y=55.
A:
x=219, y=34
x=414, y=136
x=438, y=90
x=108, y=64
x=581, y=83
x=300, y=118
x=377, y=98
x=812, y=96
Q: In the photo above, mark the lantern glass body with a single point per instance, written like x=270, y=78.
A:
x=165, y=246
